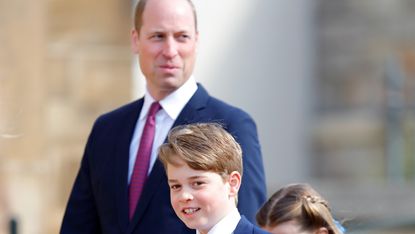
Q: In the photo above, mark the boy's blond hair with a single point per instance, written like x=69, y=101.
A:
x=202, y=146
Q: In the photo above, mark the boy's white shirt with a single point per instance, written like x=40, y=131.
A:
x=227, y=224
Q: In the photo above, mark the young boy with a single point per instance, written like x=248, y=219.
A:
x=204, y=170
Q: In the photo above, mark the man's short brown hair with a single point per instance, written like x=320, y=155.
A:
x=139, y=10
x=202, y=146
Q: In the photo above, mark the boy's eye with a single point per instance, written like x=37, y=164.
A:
x=174, y=187
x=198, y=183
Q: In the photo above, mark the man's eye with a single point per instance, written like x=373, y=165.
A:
x=157, y=36
x=184, y=37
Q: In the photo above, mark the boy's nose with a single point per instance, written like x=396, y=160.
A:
x=186, y=196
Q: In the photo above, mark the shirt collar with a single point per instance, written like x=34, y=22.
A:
x=148, y=100
x=174, y=102
x=227, y=224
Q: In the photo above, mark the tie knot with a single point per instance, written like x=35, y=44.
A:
x=155, y=106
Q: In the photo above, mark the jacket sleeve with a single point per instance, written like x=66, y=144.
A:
x=81, y=214
x=252, y=193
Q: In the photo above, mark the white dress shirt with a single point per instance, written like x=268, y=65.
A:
x=171, y=105
x=227, y=224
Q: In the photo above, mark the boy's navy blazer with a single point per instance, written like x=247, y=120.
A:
x=246, y=227
x=98, y=202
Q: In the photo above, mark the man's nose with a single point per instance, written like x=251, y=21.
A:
x=170, y=48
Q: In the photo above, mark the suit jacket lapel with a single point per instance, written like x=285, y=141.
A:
x=152, y=184
x=191, y=112
x=121, y=163
x=244, y=227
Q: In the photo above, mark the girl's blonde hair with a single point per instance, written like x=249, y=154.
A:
x=299, y=203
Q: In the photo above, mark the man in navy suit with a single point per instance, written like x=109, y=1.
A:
x=165, y=38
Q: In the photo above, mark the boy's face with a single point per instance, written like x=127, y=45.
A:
x=201, y=198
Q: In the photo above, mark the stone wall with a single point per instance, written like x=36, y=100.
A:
x=61, y=64
x=365, y=90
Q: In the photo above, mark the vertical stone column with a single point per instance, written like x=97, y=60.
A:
x=62, y=63
x=22, y=93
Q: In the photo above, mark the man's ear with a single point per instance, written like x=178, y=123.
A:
x=197, y=41
x=134, y=40
x=234, y=183
x=322, y=230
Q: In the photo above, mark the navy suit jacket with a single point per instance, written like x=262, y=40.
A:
x=246, y=227
x=98, y=202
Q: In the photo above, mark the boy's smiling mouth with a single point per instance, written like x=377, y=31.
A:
x=189, y=211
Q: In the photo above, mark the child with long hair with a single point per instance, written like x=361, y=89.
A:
x=297, y=208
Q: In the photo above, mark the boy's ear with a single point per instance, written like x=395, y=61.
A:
x=234, y=183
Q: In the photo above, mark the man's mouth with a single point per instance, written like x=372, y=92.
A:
x=168, y=66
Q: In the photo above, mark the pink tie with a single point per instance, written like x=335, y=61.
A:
x=142, y=160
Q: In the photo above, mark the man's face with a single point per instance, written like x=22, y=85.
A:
x=199, y=198
x=166, y=45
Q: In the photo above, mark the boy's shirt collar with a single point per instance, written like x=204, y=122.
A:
x=227, y=224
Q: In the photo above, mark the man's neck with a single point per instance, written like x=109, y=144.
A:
x=160, y=94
